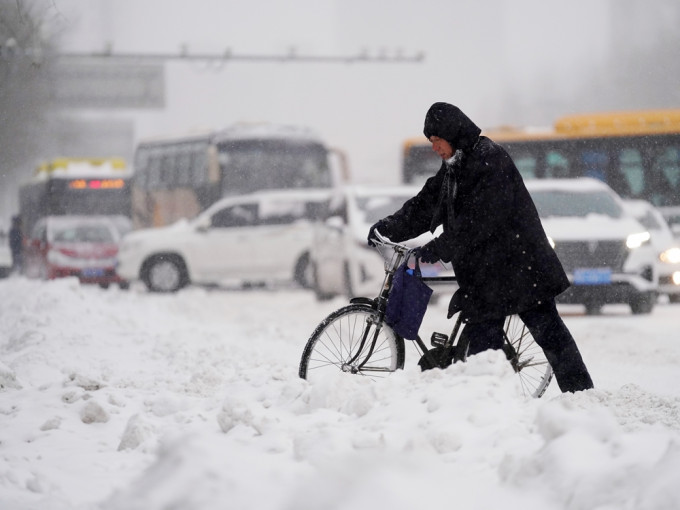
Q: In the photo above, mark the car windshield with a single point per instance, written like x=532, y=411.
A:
x=83, y=234
x=553, y=203
x=377, y=207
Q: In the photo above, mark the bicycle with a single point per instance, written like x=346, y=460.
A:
x=356, y=339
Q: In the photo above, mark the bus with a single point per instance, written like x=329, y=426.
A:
x=178, y=177
x=77, y=186
x=636, y=153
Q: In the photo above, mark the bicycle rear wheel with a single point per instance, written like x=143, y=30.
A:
x=526, y=357
x=336, y=344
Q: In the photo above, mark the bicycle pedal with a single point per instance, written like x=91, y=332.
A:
x=438, y=339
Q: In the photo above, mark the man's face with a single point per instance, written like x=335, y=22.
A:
x=441, y=147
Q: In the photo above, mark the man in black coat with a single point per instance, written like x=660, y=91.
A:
x=494, y=239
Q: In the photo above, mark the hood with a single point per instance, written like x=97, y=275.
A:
x=448, y=122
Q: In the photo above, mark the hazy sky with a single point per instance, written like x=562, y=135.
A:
x=501, y=61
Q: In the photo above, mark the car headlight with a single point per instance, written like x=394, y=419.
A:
x=670, y=256
x=638, y=239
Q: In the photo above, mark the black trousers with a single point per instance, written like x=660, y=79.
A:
x=550, y=333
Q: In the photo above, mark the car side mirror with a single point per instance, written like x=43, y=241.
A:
x=203, y=224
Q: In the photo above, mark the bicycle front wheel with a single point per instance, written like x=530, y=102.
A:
x=352, y=340
x=526, y=357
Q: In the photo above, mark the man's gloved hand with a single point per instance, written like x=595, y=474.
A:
x=427, y=253
x=380, y=227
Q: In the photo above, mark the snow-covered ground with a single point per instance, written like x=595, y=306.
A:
x=127, y=400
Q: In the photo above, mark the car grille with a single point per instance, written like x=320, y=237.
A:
x=592, y=254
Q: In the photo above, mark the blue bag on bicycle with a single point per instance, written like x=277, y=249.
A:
x=407, y=301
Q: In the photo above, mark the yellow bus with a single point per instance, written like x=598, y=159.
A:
x=637, y=153
x=179, y=176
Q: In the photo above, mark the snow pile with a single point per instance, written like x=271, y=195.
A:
x=126, y=400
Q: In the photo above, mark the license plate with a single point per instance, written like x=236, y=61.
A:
x=93, y=272
x=597, y=276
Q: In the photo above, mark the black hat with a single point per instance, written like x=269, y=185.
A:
x=449, y=123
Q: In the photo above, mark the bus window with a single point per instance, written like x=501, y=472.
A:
x=154, y=169
x=594, y=164
x=667, y=168
x=556, y=165
x=141, y=165
x=631, y=172
x=248, y=166
x=183, y=166
x=526, y=164
x=199, y=164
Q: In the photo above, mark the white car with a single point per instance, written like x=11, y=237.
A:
x=342, y=261
x=667, y=248
x=606, y=253
x=258, y=238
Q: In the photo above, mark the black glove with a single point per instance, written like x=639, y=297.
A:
x=427, y=253
x=380, y=227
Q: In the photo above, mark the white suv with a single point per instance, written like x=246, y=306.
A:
x=262, y=237
x=606, y=253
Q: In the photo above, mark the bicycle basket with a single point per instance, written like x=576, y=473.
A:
x=407, y=301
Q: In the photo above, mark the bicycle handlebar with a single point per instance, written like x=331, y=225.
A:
x=404, y=253
x=380, y=240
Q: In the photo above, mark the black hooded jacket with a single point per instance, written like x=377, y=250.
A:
x=492, y=234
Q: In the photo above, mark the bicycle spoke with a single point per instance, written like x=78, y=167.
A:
x=349, y=341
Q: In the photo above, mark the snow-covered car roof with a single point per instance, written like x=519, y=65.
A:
x=580, y=184
x=376, y=190
x=301, y=195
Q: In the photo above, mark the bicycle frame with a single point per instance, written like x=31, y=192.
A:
x=401, y=253
x=356, y=339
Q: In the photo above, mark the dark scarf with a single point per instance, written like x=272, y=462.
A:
x=448, y=192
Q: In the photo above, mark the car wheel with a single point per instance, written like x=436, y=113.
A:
x=124, y=285
x=674, y=298
x=302, y=274
x=165, y=273
x=643, y=304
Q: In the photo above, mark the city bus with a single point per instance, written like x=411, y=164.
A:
x=635, y=153
x=178, y=177
x=77, y=186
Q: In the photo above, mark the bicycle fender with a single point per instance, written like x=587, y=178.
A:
x=363, y=301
